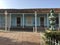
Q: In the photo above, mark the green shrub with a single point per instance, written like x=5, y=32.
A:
x=53, y=34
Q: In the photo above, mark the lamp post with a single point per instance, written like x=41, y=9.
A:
x=52, y=20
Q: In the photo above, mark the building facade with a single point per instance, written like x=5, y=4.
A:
x=27, y=18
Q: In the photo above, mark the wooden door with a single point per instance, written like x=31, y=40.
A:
x=42, y=21
x=18, y=21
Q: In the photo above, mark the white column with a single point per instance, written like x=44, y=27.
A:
x=59, y=20
x=23, y=20
x=10, y=20
x=47, y=21
x=35, y=21
x=5, y=20
x=9, y=24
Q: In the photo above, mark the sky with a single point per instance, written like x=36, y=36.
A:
x=23, y=4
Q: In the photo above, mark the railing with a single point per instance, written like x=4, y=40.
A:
x=53, y=42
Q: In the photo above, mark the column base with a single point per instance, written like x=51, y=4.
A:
x=35, y=29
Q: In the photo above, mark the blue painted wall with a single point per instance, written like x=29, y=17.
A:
x=45, y=19
x=25, y=19
x=14, y=19
x=2, y=20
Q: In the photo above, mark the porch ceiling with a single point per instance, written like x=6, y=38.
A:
x=40, y=10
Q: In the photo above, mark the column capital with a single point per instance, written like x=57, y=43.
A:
x=47, y=13
x=58, y=13
x=5, y=12
x=22, y=13
x=35, y=11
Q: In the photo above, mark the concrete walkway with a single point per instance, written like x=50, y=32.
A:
x=19, y=38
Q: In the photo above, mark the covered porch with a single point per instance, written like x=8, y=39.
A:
x=35, y=21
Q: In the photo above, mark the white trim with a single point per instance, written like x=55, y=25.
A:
x=9, y=22
x=39, y=21
x=28, y=20
x=28, y=13
x=23, y=20
x=35, y=21
x=5, y=21
x=20, y=20
x=59, y=20
x=47, y=21
x=24, y=13
x=44, y=20
x=1, y=13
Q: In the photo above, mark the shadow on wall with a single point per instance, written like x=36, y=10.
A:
x=7, y=41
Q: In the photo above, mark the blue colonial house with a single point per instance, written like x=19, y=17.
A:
x=33, y=19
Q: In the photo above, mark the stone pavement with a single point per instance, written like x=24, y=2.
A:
x=19, y=38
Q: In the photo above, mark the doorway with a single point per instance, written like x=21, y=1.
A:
x=18, y=21
x=42, y=21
